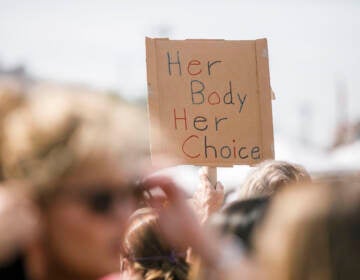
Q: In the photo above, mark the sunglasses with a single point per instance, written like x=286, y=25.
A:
x=100, y=200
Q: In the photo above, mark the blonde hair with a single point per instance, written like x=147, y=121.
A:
x=270, y=176
x=59, y=129
x=311, y=233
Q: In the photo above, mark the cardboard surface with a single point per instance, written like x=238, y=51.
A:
x=212, y=99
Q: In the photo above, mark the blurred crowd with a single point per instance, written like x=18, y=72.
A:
x=79, y=200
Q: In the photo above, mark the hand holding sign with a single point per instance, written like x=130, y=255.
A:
x=208, y=198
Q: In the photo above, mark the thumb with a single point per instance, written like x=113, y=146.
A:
x=219, y=186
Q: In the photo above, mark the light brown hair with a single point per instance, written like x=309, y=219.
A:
x=59, y=130
x=270, y=176
x=148, y=254
x=11, y=97
x=312, y=233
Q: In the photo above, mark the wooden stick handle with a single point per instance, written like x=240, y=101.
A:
x=212, y=174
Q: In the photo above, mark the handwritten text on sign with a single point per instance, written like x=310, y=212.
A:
x=209, y=101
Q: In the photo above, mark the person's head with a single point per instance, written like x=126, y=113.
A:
x=311, y=233
x=76, y=150
x=233, y=230
x=240, y=218
x=147, y=253
x=270, y=176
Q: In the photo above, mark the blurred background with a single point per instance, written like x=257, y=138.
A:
x=100, y=45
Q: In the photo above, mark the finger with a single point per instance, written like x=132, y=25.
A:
x=202, y=171
x=168, y=186
x=204, y=179
x=219, y=186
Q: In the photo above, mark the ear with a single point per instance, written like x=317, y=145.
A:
x=125, y=265
x=189, y=255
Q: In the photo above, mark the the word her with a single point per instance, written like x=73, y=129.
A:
x=193, y=66
x=199, y=122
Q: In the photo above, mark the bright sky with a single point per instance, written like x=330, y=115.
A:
x=313, y=46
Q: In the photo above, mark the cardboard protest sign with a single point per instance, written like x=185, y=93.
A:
x=212, y=98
